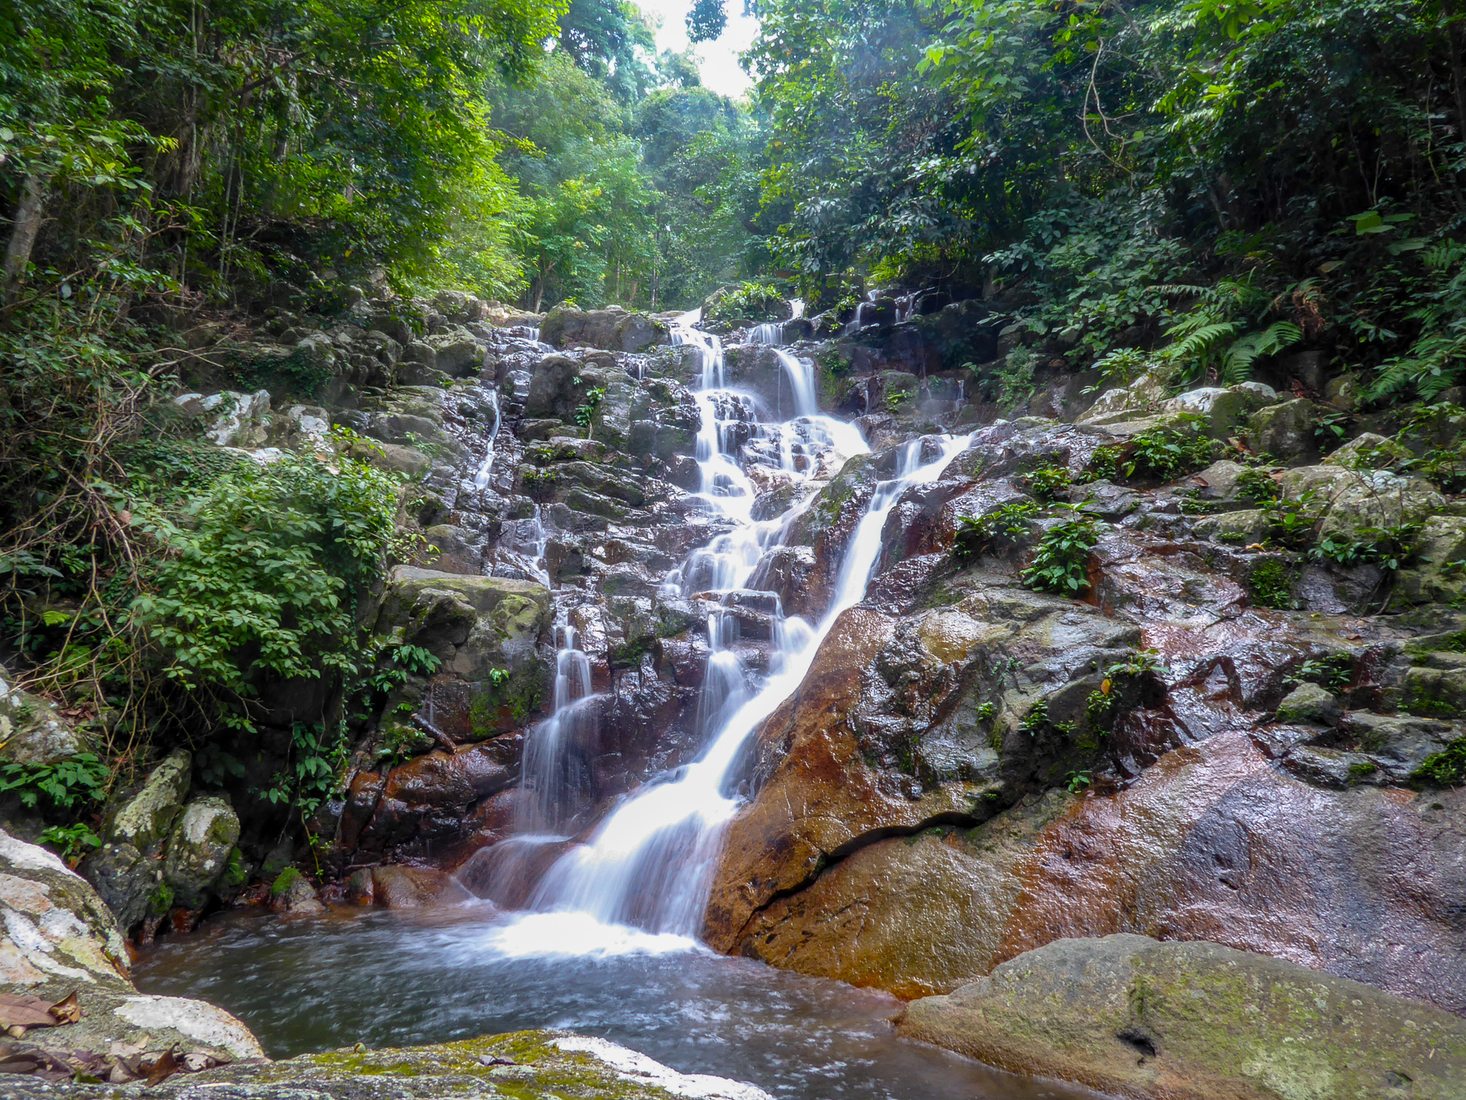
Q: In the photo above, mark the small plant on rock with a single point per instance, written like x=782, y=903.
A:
x=1166, y=453
x=1257, y=485
x=1390, y=548
x=975, y=534
x=1061, y=563
x=1049, y=481
x=1270, y=584
x=585, y=412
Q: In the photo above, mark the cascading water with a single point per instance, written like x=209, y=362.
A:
x=640, y=880
x=481, y=478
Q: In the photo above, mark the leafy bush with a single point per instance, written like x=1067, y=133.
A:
x=748, y=301
x=1048, y=482
x=261, y=574
x=1390, y=548
x=65, y=785
x=1257, y=485
x=1166, y=453
x=976, y=533
x=1061, y=563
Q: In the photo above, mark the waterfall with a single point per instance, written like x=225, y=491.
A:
x=554, y=791
x=800, y=374
x=640, y=880
x=481, y=479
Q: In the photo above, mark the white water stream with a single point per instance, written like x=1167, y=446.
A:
x=640, y=880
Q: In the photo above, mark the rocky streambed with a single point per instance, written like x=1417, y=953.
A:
x=1188, y=826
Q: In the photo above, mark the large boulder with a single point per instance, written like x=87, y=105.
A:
x=1195, y=1021
x=1212, y=842
x=1349, y=502
x=31, y=732
x=159, y=850
x=1285, y=431
x=472, y=624
x=612, y=329
x=62, y=956
x=534, y=1065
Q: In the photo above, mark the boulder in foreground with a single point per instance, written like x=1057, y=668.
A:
x=528, y=1065
x=1195, y=1021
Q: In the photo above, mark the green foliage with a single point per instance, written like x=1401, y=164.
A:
x=1061, y=563
x=1211, y=185
x=72, y=841
x=748, y=301
x=1446, y=768
x=1048, y=481
x=66, y=785
x=585, y=412
x=1333, y=671
x=1077, y=782
x=1270, y=584
x=975, y=534
x=268, y=562
x=1257, y=486
x=1389, y=548
x=1166, y=453
x=1292, y=523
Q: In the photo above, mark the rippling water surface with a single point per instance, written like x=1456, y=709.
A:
x=382, y=978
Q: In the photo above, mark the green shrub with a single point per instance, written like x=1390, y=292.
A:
x=1166, y=453
x=1048, y=482
x=1332, y=671
x=72, y=841
x=261, y=574
x=975, y=534
x=748, y=301
x=65, y=785
x=1061, y=563
x=1257, y=486
x=1390, y=548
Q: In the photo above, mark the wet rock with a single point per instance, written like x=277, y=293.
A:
x=1349, y=502
x=1309, y=703
x=1225, y=409
x=613, y=329
x=1194, y=1021
x=1221, y=480
x=455, y=352
x=160, y=850
x=59, y=940
x=1141, y=397
x=535, y=1065
x=1368, y=451
x=393, y=886
x=472, y=624
x=1284, y=431
x=230, y=419
x=1434, y=575
x=1212, y=842
x=31, y=732
x=291, y=892
x=198, y=850
x=145, y=819
x=1240, y=528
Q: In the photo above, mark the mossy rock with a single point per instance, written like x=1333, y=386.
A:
x=523, y=1065
x=1195, y=1021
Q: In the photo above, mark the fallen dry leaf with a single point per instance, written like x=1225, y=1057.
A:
x=20, y=1011
x=67, y=1010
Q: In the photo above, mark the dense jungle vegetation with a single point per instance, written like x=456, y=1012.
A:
x=1195, y=184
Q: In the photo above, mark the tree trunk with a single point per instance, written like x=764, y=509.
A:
x=29, y=213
